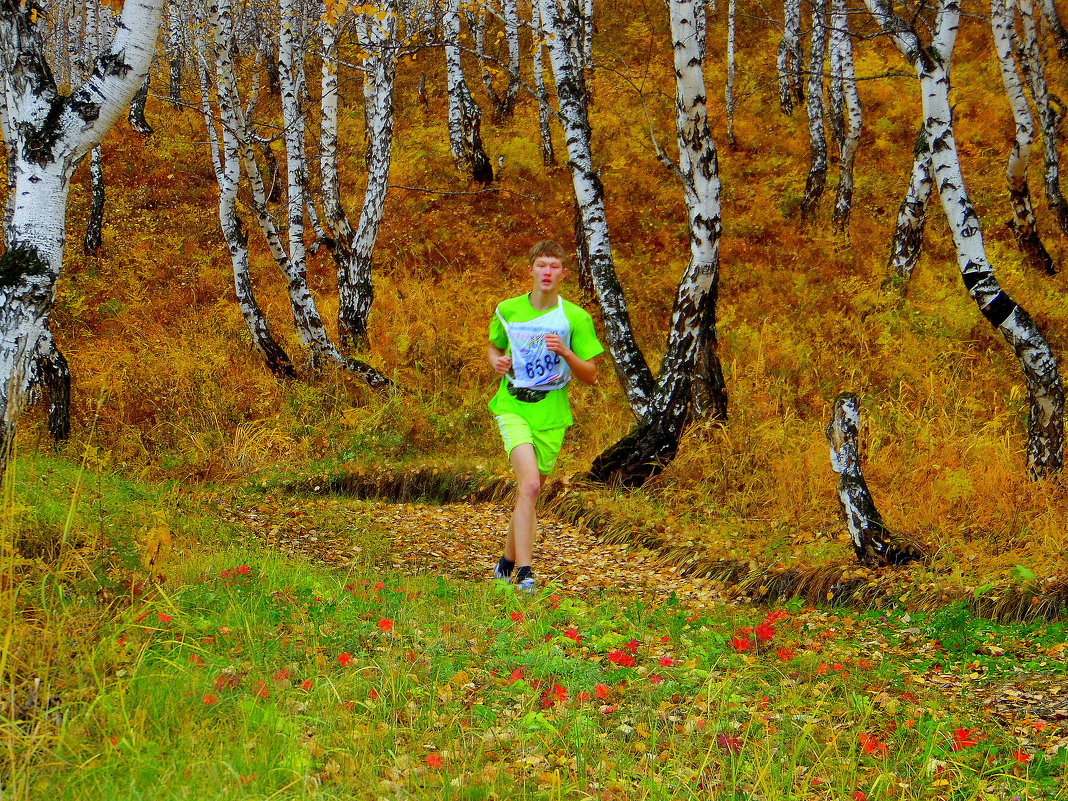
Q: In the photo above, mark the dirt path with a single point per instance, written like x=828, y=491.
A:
x=461, y=541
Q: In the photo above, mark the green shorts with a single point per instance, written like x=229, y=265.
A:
x=547, y=442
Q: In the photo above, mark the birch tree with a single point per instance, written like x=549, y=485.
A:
x=176, y=48
x=1046, y=398
x=226, y=160
x=503, y=100
x=46, y=134
x=692, y=335
x=548, y=153
x=1050, y=111
x=848, y=112
x=731, y=70
x=790, y=58
x=465, y=117
x=817, y=173
x=907, y=242
x=1023, y=223
x=353, y=250
x=564, y=40
x=1056, y=26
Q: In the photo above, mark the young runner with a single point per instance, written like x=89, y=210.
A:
x=537, y=342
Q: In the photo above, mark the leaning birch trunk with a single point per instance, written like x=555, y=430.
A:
x=731, y=20
x=1023, y=223
x=226, y=162
x=817, y=173
x=1055, y=26
x=548, y=154
x=645, y=452
x=907, y=243
x=465, y=117
x=790, y=58
x=353, y=251
x=49, y=134
x=631, y=367
x=1045, y=441
x=871, y=539
x=852, y=114
x=1049, y=112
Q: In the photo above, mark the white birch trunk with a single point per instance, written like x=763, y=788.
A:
x=226, y=162
x=731, y=25
x=588, y=28
x=816, y=181
x=465, y=117
x=634, y=374
x=1045, y=439
x=872, y=541
x=907, y=243
x=1056, y=26
x=175, y=52
x=1049, y=113
x=49, y=135
x=353, y=251
x=1023, y=223
x=852, y=114
x=790, y=58
x=548, y=154
x=510, y=12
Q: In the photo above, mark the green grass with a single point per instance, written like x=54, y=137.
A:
x=248, y=675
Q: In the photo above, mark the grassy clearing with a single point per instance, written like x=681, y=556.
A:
x=248, y=675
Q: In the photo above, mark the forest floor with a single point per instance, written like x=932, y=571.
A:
x=1017, y=675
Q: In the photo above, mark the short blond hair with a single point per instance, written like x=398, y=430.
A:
x=547, y=247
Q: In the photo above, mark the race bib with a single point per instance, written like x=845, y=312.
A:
x=534, y=366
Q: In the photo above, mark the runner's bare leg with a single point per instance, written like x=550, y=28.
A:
x=519, y=547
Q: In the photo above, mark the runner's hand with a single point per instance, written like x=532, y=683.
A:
x=502, y=364
x=555, y=344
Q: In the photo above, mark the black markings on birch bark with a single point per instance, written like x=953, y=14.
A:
x=465, y=116
x=844, y=86
x=1045, y=441
x=872, y=541
x=790, y=58
x=1023, y=224
x=138, y=121
x=816, y=181
x=94, y=228
x=1050, y=111
x=907, y=243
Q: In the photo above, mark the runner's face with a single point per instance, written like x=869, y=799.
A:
x=548, y=272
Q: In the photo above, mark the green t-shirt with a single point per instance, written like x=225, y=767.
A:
x=539, y=408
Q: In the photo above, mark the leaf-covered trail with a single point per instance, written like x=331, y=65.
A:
x=461, y=541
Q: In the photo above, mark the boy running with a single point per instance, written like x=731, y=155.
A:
x=537, y=342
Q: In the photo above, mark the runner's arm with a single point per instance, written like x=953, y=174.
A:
x=499, y=361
